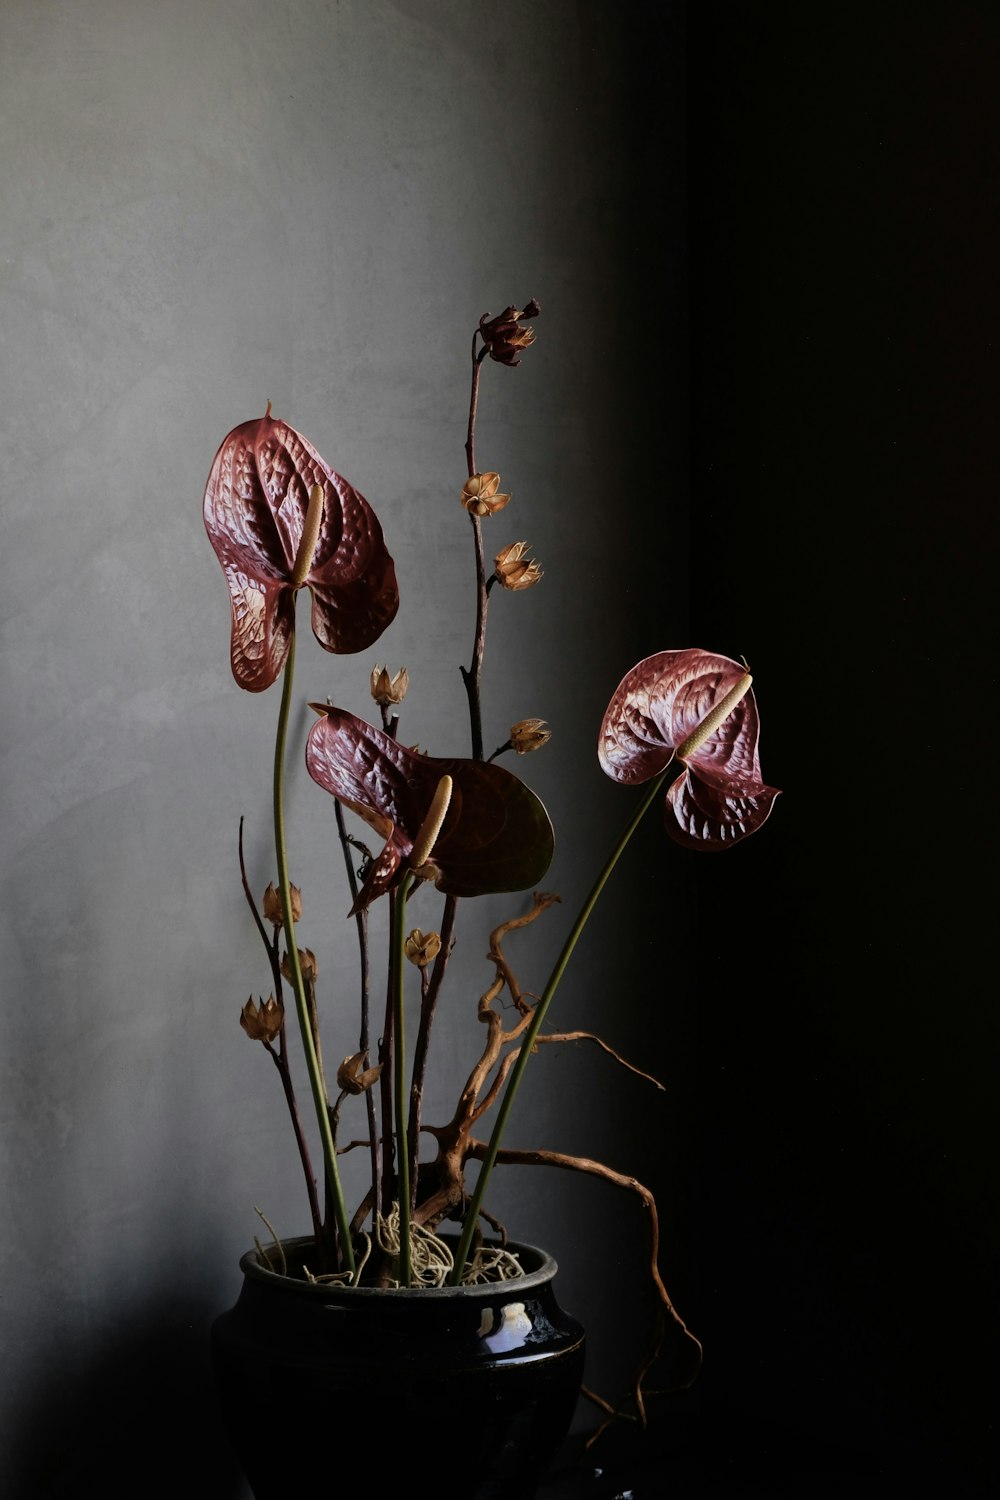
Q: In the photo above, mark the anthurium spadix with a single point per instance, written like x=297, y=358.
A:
x=257, y=515
x=496, y=835
x=697, y=708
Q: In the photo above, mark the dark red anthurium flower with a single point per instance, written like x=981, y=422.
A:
x=256, y=507
x=496, y=835
x=655, y=715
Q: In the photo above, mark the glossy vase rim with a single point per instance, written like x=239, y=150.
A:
x=545, y=1268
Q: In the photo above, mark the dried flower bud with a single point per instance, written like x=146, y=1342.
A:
x=353, y=1078
x=514, y=570
x=504, y=336
x=307, y=965
x=262, y=1023
x=386, y=689
x=479, y=495
x=272, y=905
x=422, y=947
x=528, y=735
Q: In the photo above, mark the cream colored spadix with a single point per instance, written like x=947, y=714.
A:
x=310, y=536
x=711, y=722
x=423, y=844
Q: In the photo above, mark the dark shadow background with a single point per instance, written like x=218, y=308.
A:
x=843, y=258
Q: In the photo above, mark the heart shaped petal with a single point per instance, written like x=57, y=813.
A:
x=655, y=713
x=255, y=507
x=496, y=835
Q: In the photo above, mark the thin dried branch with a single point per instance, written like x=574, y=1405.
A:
x=589, y=1036
x=497, y=1225
x=472, y=674
x=430, y=990
x=446, y=1173
x=355, y=1145
x=272, y=949
x=385, y=1057
x=508, y=1061
x=490, y=1097
x=605, y=1406
x=278, y=1056
x=365, y=1206
x=280, y=1061
x=361, y=923
x=542, y=900
x=615, y=1415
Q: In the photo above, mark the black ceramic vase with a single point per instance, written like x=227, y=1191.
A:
x=471, y=1389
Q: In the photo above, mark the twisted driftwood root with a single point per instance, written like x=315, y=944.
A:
x=667, y=1312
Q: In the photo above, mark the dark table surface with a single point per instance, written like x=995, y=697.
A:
x=716, y=1454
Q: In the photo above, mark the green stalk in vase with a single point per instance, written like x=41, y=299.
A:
x=517, y=1072
x=686, y=749
x=302, y=562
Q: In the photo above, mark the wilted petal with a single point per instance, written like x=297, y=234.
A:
x=707, y=809
x=505, y=335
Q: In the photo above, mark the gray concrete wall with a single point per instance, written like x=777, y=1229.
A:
x=207, y=205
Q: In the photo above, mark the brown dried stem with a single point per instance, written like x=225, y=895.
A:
x=280, y=1061
x=385, y=1047
x=361, y=921
x=541, y=901
x=472, y=675
x=278, y=1055
x=272, y=947
x=589, y=1036
x=430, y=991
x=470, y=439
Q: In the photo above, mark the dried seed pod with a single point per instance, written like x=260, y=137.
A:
x=262, y=1023
x=307, y=965
x=529, y=734
x=272, y=905
x=386, y=689
x=422, y=947
x=514, y=570
x=353, y=1077
x=480, y=497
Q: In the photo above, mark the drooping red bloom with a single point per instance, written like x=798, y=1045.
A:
x=256, y=502
x=496, y=834
x=719, y=798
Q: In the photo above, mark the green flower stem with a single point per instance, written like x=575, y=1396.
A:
x=528, y=1042
x=399, y=1081
x=298, y=987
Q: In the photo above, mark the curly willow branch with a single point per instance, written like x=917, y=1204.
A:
x=541, y=1158
x=541, y=900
